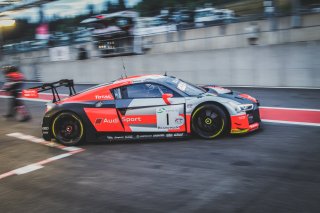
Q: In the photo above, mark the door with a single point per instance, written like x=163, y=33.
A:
x=150, y=107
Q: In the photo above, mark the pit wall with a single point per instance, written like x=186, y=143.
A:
x=287, y=65
x=287, y=57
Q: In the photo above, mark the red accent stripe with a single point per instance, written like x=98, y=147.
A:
x=290, y=115
x=7, y=174
x=276, y=114
x=42, y=96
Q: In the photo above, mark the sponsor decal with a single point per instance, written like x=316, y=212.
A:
x=253, y=126
x=106, y=121
x=99, y=104
x=103, y=97
x=160, y=110
x=45, y=128
x=98, y=121
x=45, y=133
x=189, y=106
x=111, y=121
x=135, y=119
x=169, y=118
x=242, y=117
x=179, y=121
x=158, y=135
x=239, y=131
x=169, y=135
x=182, y=86
x=144, y=136
x=118, y=137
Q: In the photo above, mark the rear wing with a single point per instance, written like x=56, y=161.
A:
x=34, y=91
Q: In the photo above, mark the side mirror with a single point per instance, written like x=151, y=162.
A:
x=166, y=97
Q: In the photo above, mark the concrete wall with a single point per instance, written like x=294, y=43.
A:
x=293, y=64
x=286, y=57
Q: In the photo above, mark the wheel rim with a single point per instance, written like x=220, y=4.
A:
x=67, y=129
x=208, y=122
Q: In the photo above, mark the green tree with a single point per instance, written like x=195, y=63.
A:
x=90, y=8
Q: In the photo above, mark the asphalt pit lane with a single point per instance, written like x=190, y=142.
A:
x=242, y=163
x=157, y=166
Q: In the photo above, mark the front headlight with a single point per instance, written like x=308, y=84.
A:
x=241, y=107
x=245, y=107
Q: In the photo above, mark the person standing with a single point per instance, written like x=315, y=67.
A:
x=13, y=85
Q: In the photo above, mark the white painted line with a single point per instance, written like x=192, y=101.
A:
x=286, y=108
x=71, y=149
x=291, y=122
x=7, y=174
x=58, y=157
x=27, y=169
x=14, y=134
x=33, y=167
x=38, y=140
x=34, y=139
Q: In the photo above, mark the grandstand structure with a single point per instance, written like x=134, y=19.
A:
x=9, y=6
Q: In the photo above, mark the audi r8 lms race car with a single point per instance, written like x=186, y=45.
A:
x=144, y=107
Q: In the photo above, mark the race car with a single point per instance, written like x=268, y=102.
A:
x=144, y=107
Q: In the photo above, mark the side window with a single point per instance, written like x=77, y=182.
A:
x=167, y=90
x=142, y=91
x=117, y=93
x=146, y=90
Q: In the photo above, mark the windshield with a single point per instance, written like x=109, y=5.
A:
x=188, y=88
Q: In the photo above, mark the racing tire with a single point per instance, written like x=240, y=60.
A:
x=67, y=129
x=209, y=121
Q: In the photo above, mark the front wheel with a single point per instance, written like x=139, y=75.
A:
x=67, y=129
x=209, y=121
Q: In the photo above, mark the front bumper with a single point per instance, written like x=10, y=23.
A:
x=247, y=122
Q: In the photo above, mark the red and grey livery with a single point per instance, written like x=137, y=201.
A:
x=148, y=106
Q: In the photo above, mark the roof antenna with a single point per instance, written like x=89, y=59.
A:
x=165, y=74
x=124, y=68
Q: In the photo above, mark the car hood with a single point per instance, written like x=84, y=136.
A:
x=230, y=94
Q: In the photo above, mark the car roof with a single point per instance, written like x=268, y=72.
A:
x=139, y=78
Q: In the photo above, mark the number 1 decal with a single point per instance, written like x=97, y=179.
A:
x=168, y=117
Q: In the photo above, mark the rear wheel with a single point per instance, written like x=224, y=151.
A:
x=209, y=121
x=67, y=128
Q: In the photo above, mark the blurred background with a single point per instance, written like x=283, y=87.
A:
x=227, y=42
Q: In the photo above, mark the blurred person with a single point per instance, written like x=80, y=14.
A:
x=13, y=85
x=252, y=32
x=83, y=54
